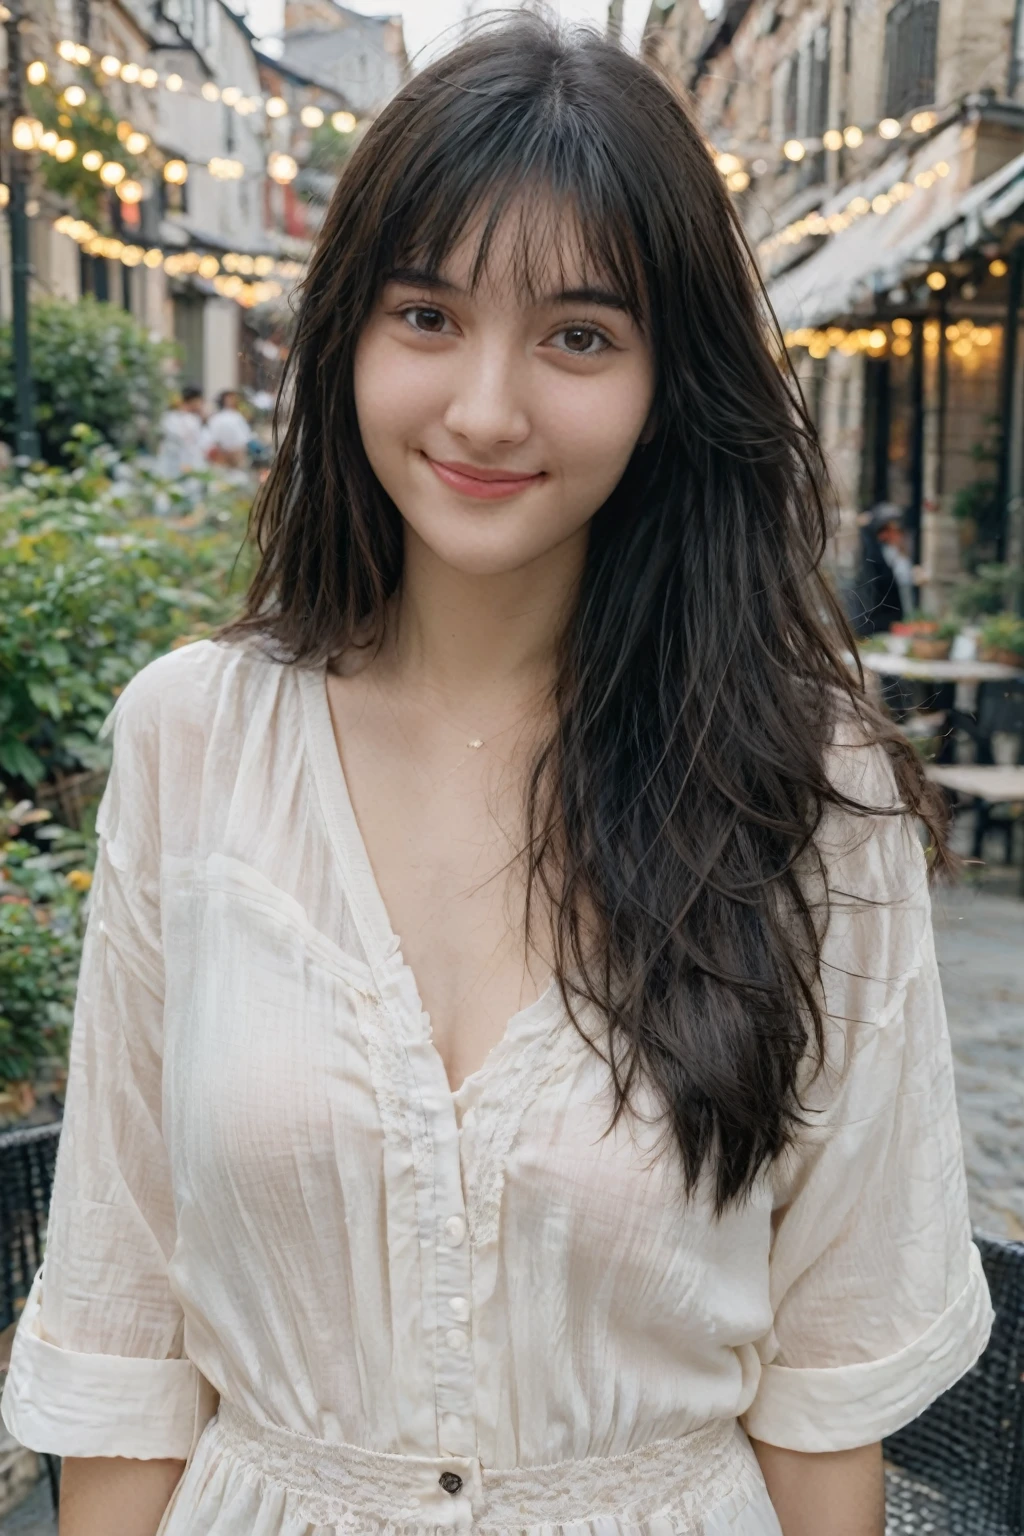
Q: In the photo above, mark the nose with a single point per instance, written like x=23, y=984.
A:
x=486, y=407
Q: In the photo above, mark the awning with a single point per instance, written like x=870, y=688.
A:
x=870, y=257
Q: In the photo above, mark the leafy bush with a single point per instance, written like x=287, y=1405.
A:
x=92, y=364
x=41, y=924
x=990, y=592
x=97, y=577
x=1005, y=632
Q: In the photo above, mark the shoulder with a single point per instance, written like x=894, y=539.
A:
x=188, y=686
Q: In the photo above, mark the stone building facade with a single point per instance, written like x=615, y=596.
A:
x=875, y=149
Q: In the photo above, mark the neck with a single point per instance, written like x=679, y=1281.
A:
x=483, y=643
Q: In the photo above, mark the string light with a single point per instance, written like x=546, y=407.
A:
x=936, y=281
x=130, y=191
x=136, y=143
x=37, y=72
x=998, y=267
x=176, y=172
x=74, y=96
x=112, y=172
x=817, y=223
x=225, y=170
x=26, y=132
x=92, y=159
x=231, y=95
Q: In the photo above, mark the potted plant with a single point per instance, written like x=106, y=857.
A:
x=935, y=645
x=1002, y=639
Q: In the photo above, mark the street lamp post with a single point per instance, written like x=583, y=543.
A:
x=26, y=441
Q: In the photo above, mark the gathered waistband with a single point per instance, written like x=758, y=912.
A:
x=369, y=1491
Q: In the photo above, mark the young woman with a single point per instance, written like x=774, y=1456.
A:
x=641, y=1141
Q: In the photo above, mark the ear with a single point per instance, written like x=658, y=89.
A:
x=650, y=428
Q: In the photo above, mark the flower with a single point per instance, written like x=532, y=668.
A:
x=79, y=879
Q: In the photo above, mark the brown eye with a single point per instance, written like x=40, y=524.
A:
x=423, y=318
x=582, y=341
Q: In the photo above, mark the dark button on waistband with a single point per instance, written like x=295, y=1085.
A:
x=451, y=1482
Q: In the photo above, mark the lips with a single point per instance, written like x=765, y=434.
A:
x=483, y=484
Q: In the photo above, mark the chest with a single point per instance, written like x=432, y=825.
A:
x=443, y=825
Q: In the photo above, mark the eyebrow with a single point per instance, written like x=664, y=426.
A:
x=422, y=277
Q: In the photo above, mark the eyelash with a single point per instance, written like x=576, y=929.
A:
x=589, y=329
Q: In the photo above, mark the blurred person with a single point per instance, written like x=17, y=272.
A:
x=623, y=1193
x=884, y=591
x=182, y=450
x=227, y=435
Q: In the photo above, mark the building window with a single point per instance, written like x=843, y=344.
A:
x=911, y=30
x=817, y=84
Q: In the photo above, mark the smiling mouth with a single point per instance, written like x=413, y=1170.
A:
x=483, y=484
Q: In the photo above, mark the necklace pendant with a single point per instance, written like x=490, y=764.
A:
x=475, y=743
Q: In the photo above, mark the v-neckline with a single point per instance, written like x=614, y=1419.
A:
x=370, y=914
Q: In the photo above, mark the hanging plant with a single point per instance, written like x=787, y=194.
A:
x=91, y=127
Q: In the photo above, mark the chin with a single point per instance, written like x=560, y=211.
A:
x=486, y=542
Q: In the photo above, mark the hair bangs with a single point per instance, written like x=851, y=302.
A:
x=555, y=198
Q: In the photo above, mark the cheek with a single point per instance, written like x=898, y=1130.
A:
x=393, y=393
x=594, y=431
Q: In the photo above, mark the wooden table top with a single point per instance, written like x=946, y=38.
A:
x=995, y=784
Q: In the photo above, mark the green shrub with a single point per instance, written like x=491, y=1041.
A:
x=42, y=890
x=97, y=577
x=92, y=364
x=1005, y=632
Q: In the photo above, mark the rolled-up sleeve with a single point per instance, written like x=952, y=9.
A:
x=879, y=1299
x=98, y=1365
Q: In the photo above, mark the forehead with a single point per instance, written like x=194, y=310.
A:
x=525, y=246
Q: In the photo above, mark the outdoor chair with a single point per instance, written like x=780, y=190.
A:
x=957, y=1470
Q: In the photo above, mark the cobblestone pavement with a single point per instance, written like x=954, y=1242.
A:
x=979, y=935
x=979, y=932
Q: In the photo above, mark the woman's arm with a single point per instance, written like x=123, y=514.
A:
x=103, y=1495
x=830, y=1493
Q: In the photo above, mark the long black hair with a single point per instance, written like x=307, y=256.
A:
x=676, y=803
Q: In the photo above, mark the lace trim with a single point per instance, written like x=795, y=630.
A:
x=500, y=1114
x=367, y=1493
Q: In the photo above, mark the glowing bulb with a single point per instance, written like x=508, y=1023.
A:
x=5, y=194
x=901, y=346
x=74, y=96
x=793, y=150
x=209, y=91
x=853, y=136
x=277, y=106
x=263, y=265
x=26, y=132
x=110, y=65
x=83, y=55
x=964, y=347
x=877, y=339
x=174, y=82
x=149, y=78
x=231, y=95
x=982, y=336
x=922, y=121
x=92, y=159
x=936, y=281
x=36, y=73
x=344, y=122
x=282, y=169
x=67, y=50
x=111, y=173
x=902, y=327
x=311, y=117
x=48, y=141
x=832, y=139
x=65, y=150
x=881, y=203
x=209, y=266
x=136, y=142
x=737, y=181
x=132, y=255
x=889, y=128
x=153, y=258
x=998, y=267
x=130, y=73
x=176, y=172
x=130, y=191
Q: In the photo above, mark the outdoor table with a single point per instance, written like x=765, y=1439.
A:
x=995, y=785
x=888, y=665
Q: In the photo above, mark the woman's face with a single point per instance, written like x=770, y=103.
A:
x=499, y=424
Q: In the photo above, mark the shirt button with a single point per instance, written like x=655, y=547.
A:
x=458, y=1306
x=451, y=1482
x=456, y=1339
x=454, y=1231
